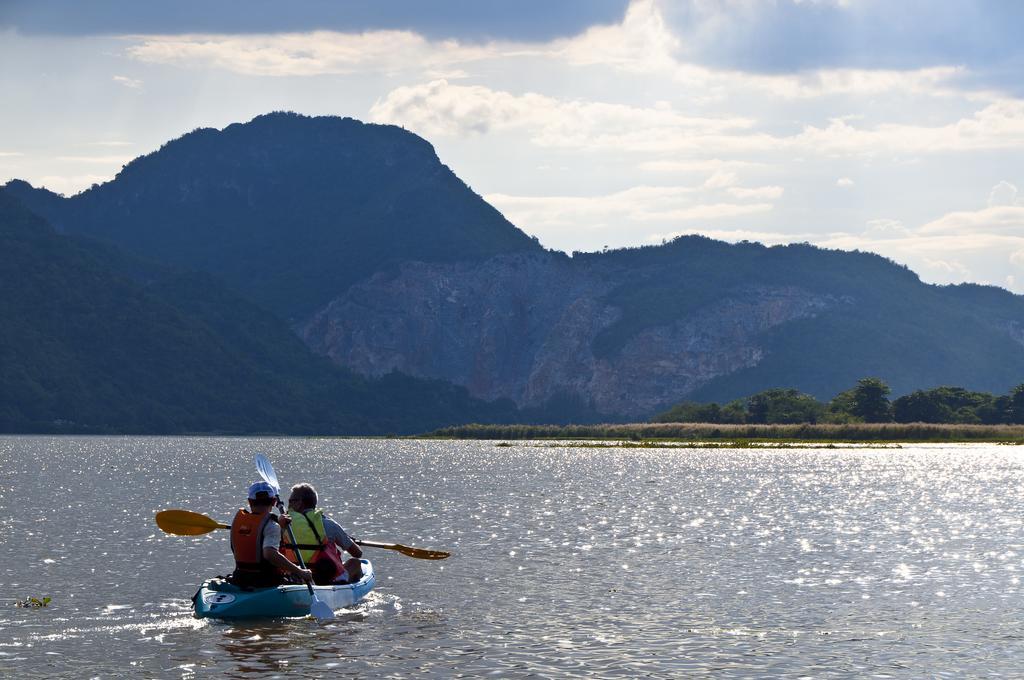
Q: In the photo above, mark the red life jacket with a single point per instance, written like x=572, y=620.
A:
x=321, y=556
x=251, y=568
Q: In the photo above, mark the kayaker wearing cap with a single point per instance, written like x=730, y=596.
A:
x=255, y=537
x=318, y=538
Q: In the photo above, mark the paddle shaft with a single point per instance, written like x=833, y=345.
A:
x=298, y=553
x=188, y=523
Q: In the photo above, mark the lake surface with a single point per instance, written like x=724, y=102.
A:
x=567, y=560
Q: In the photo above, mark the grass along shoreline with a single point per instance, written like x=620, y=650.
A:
x=805, y=432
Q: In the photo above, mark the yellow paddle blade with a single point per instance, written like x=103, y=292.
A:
x=418, y=553
x=185, y=523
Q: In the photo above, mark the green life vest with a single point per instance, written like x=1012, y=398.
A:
x=308, y=528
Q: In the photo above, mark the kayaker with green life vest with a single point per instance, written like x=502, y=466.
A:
x=255, y=539
x=319, y=537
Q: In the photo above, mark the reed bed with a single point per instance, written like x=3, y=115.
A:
x=846, y=432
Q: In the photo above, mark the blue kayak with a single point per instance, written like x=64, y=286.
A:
x=217, y=598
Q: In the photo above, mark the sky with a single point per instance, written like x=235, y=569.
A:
x=890, y=127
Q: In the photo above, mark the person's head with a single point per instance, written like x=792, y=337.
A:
x=302, y=497
x=261, y=495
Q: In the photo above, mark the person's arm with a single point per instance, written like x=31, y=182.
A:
x=274, y=556
x=337, y=534
x=271, y=553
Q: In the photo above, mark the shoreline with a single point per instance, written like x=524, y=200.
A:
x=694, y=435
x=714, y=434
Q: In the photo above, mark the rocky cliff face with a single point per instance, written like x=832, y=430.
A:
x=523, y=326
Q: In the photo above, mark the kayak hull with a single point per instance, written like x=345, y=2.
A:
x=216, y=598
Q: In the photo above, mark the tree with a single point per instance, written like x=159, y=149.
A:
x=692, y=412
x=1016, y=405
x=944, y=405
x=995, y=412
x=840, y=409
x=783, y=406
x=871, y=401
x=921, y=406
x=734, y=412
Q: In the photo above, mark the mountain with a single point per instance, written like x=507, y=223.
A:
x=629, y=332
x=93, y=341
x=288, y=210
x=383, y=261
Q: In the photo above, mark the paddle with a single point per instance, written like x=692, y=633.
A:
x=418, y=553
x=186, y=523
x=318, y=608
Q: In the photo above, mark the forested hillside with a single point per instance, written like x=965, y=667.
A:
x=93, y=341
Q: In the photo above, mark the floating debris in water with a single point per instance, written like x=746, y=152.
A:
x=33, y=602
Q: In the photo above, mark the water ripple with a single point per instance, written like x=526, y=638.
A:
x=569, y=561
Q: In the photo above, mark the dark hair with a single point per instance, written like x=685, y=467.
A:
x=307, y=494
x=262, y=499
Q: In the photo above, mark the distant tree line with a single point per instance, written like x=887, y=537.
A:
x=868, y=402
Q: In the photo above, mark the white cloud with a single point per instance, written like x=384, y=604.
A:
x=721, y=179
x=951, y=268
x=446, y=74
x=850, y=82
x=11, y=154
x=757, y=193
x=641, y=45
x=998, y=126
x=642, y=204
x=886, y=228
x=711, y=165
x=998, y=220
x=309, y=54
x=714, y=211
x=442, y=108
x=642, y=42
x=1003, y=194
x=128, y=82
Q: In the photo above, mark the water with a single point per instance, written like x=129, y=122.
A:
x=568, y=560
